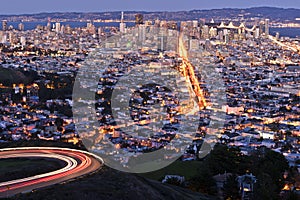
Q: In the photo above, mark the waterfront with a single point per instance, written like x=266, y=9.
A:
x=33, y=25
x=285, y=32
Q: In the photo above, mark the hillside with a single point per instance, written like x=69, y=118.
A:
x=9, y=76
x=110, y=184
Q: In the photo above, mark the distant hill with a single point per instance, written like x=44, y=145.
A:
x=110, y=184
x=10, y=76
x=273, y=13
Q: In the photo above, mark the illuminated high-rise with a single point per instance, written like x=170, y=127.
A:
x=195, y=23
x=267, y=27
x=277, y=36
x=3, y=37
x=91, y=27
x=23, y=41
x=122, y=24
x=21, y=27
x=12, y=38
x=57, y=27
x=256, y=33
x=205, y=32
x=261, y=27
x=139, y=19
x=4, y=25
x=48, y=27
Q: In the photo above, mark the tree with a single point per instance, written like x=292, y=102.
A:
x=292, y=196
x=268, y=166
x=59, y=122
x=224, y=159
x=264, y=188
x=230, y=188
x=204, y=182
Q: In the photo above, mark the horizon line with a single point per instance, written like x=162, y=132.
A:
x=128, y=11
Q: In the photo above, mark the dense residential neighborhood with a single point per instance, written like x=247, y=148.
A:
x=259, y=72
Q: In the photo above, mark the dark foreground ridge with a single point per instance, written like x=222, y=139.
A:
x=110, y=184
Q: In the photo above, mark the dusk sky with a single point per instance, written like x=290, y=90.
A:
x=36, y=6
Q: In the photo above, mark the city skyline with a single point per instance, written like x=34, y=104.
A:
x=34, y=6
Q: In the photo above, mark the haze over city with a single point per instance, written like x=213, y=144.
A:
x=36, y=6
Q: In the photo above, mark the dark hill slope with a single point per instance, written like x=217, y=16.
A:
x=110, y=184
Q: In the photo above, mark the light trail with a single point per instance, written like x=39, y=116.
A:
x=78, y=163
x=71, y=164
x=189, y=74
x=273, y=39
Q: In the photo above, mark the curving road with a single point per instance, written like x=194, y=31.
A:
x=78, y=163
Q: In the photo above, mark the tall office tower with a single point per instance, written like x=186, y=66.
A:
x=226, y=38
x=23, y=41
x=207, y=44
x=21, y=27
x=122, y=24
x=100, y=31
x=4, y=25
x=173, y=25
x=226, y=35
x=213, y=32
x=162, y=42
x=256, y=33
x=12, y=38
x=205, y=32
x=62, y=29
x=57, y=27
x=91, y=28
x=157, y=22
x=261, y=28
x=277, y=35
x=221, y=36
x=139, y=19
x=68, y=29
x=195, y=23
x=267, y=27
x=201, y=22
x=194, y=44
x=163, y=24
x=89, y=24
x=142, y=33
x=48, y=27
x=3, y=37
